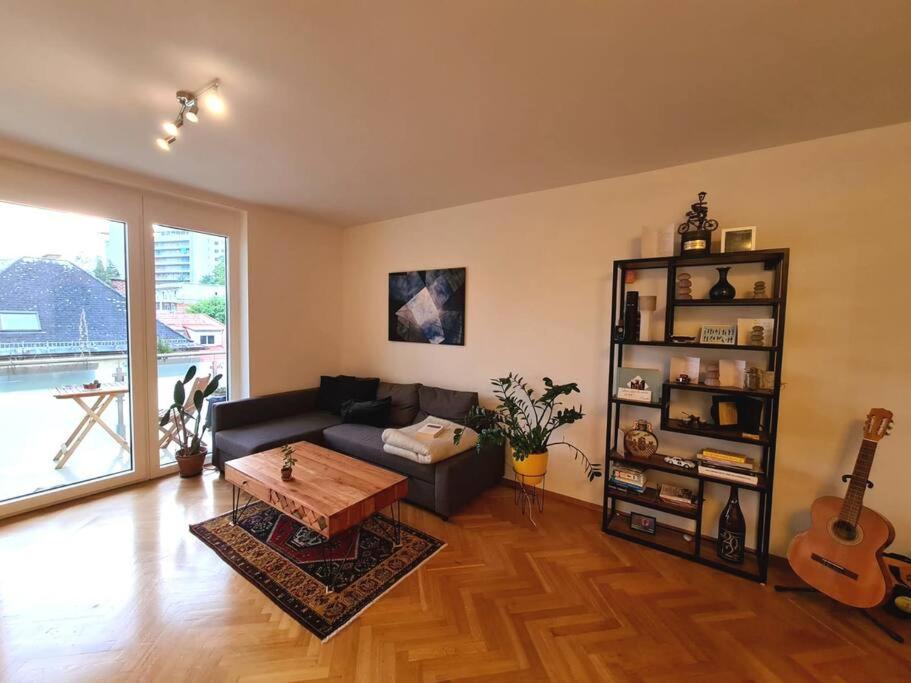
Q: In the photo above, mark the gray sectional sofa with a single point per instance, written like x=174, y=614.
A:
x=251, y=425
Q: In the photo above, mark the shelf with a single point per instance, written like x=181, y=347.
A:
x=729, y=302
x=709, y=557
x=773, y=304
x=759, y=256
x=665, y=538
x=735, y=391
x=671, y=540
x=697, y=345
x=650, y=499
x=656, y=462
x=630, y=402
x=713, y=432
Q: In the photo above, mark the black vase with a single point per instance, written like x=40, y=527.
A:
x=722, y=290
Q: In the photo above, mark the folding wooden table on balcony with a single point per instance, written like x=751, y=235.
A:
x=104, y=396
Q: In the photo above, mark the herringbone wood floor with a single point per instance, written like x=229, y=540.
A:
x=115, y=588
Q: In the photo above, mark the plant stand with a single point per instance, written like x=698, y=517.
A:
x=529, y=496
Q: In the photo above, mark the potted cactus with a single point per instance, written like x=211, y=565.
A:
x=288, y=462
x=191, y=451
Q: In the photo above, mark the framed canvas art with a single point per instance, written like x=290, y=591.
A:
x=427, y=306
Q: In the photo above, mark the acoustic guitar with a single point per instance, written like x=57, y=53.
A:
x=841, y=553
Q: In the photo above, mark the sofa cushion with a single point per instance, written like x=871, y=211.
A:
x=333, y=391
x=261, y=436
x=404, y=402
x=374, y=413
x=366, y=442
x=445, y=403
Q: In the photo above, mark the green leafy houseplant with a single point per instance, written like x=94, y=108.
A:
x=288, y=461
x=188, y=438
x=526, y=421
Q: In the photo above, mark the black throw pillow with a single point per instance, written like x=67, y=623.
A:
x=330, y=394
x=373, y=413
x=358, y=388
x=333, y=391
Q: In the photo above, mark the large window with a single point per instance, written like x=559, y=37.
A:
x=107, y=295
x=191, y=300
x=64, y=351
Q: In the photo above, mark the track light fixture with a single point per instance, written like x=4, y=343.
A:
x=189, y=111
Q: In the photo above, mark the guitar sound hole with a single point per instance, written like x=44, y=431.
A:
x=845, y=531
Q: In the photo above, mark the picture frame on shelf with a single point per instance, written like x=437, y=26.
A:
x=723, y=335
x=738, y=239
x=639, y=384
x=642, y=523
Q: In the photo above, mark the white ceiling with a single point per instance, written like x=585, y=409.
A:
x=357, y=111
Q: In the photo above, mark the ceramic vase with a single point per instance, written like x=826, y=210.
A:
x=722, y=290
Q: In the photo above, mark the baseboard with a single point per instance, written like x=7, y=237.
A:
x=774, y=560
x=559, y=496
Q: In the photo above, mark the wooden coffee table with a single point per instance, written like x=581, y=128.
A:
x=329, y=494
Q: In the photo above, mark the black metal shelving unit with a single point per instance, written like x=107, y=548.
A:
x=669, y=538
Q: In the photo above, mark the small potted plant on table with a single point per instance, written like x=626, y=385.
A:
x=288, y=462
x=528, y=422
x=191, y=451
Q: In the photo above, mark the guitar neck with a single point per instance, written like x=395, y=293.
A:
x=854, y=498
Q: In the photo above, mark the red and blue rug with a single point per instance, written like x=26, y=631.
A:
x=293, y=565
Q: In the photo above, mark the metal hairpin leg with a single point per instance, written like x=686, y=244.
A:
x=236, y=495
x=394, y=528
x=530, y=495
x=331, y=568
x=876, y=622
x=396, y=513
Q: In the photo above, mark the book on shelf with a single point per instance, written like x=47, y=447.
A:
x=677, y=495
x=717, y=454
x=712, y=459
x=627, y=486
x=628, y=472
x=636, y=480
x=728, y=474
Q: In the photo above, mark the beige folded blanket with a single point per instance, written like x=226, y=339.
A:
x=404, y=442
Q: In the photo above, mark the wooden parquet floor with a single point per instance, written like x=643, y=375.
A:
x=116, y=589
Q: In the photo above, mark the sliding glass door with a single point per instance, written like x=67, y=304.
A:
x=107, y=296
x=191, y=309
x=194, y=271
x=65, y=408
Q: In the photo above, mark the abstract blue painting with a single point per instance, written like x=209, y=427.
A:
x=427, y=306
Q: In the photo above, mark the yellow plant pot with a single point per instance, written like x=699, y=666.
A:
x=532, y=469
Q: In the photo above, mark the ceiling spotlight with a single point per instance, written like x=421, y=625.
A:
x=189, y=110
x=213, y=101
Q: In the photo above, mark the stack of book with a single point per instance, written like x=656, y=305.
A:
x=677, y=495
x=628, y=478
x=733, y=467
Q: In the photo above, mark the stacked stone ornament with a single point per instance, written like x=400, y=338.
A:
x=759, y=290
x=757, y=336
x=684, y=287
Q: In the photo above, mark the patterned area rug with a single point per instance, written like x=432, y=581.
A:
x=287, y=562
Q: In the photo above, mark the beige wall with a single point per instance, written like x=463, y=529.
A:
x=538, y=299
x=295, y=300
